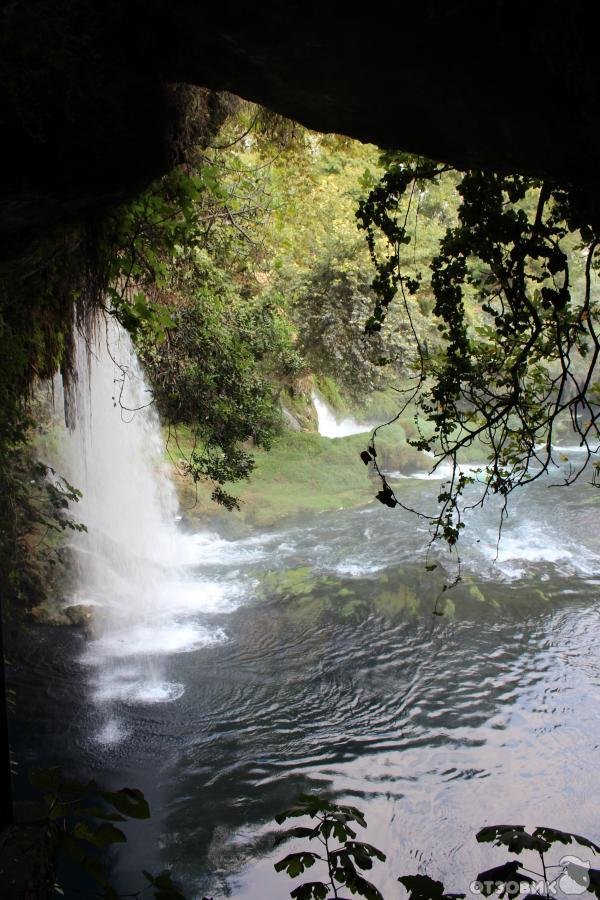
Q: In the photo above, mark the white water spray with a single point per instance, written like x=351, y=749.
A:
x=131, y=564
x=328, y=424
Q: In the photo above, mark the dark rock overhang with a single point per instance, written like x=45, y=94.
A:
x=89, y=115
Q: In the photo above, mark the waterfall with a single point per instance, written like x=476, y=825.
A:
x=328, y=424
x=132, y=564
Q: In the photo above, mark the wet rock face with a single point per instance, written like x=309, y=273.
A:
x=89, y=114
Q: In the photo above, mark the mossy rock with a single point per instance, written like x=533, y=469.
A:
x=290, y=583
x=393, y=603
x=46, y=615
x=79, y=614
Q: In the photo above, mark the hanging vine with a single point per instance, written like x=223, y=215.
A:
x=519, y=245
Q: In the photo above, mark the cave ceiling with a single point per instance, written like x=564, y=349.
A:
x=88, y=110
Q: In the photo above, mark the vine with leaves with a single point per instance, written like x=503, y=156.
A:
x=529, y=361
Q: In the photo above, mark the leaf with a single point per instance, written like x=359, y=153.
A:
x=351, y=814
x=99, y=812
x=422, y=887
x=102, y=836
x=553, y=835
x=357, y=884
x=46, y=779
x=341, y=829
x=296, y=863
x=514, y=837
x=493, y=879
x=96, y=869
x=366, y=457
x=362, y=853
x=165, y=888
x=77, y=788
x=310, y=890
x=300, y=831
x=72, y=847
x=386, y=496
x=129, y=801
x=307, y=805
x=594, y=885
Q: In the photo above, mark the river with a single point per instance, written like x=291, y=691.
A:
x=307, y=658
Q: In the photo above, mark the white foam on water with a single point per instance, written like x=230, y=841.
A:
x=357, y=569
x=523, y=548
x=330, y=426
x=111, y=733
x=149, y=639
x=136, y=693
x=207, y=548
x=443, y=472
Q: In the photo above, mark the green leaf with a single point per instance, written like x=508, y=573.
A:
x=361, y=853
x=299, y=831
x=310, y=890
x=102, y=836
x=46, y=779
x=356, y=884
x=77, y=788
x=97, y=870
x=296, y=863
x=165, y=888
x=307, y=805
x=129, y=801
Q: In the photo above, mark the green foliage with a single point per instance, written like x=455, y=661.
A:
x=506, y=377
x=81, y=816
x=40, y=504
x=213, y=348
x=330, y=309
x=332, y=827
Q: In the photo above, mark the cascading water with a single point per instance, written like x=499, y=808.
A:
x=130, y=565
x=328, y=424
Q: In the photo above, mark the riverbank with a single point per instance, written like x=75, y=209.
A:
x=304, y=473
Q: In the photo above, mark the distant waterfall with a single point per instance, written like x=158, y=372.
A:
x=328, y=424
x=130, y=566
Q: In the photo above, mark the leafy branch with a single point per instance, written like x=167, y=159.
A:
x=528, y=363
x=81, y=818
x=341, y=854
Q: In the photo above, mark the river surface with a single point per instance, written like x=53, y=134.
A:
x=307, y=658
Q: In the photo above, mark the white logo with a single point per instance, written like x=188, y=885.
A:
x=575, y=877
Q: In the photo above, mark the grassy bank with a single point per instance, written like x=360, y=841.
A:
x=303, y=473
